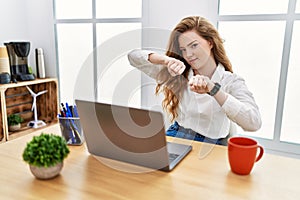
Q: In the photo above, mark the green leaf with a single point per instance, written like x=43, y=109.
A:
x=45, y=150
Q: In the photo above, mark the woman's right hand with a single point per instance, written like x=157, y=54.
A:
x=175, y=67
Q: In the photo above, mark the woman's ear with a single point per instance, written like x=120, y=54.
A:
x=211, y=44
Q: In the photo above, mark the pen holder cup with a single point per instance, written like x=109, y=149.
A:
x=71, y=130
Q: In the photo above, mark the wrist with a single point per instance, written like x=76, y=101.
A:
x=166, y=60
x=210, y=85
x=215, y=89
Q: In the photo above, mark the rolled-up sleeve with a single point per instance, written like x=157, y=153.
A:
x=139, y=58
x=241, y=107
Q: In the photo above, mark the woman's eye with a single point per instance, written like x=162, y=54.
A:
x=182, y=50
x=194, y=45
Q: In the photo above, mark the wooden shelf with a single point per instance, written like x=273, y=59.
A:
x=16, y=99
x=27, y=130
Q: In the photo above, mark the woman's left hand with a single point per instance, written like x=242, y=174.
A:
x=200, y=84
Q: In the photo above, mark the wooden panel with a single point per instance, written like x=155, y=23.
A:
x=20, y=108
x=47, y=103
x=18, y=99
x=2, y=134
x=16, y=90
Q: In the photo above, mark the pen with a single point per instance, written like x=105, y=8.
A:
x=68, y=110
x=64, y=109
x=75, y=111
x=71, y=111
x=63, y=114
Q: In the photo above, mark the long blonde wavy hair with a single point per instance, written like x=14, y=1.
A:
x=173, y=87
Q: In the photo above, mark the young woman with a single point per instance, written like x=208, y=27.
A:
x=202, y=94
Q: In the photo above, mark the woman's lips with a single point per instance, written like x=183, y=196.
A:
x=192, y=60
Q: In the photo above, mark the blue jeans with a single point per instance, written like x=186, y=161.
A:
x=175, y=130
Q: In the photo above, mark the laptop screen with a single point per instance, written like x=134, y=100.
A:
x=126, y=134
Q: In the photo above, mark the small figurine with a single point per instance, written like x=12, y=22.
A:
x=35, y=123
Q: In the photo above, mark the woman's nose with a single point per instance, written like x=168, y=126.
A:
x=189, y=52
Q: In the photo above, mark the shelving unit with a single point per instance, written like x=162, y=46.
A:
x=16, y=99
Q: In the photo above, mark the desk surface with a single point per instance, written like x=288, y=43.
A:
x=85, y=177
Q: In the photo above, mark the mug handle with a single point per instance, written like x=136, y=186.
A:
x=261, y=152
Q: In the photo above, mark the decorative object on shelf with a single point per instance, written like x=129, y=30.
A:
x=14, y=122
x=18, y=52
x=4, y=78
x=4, y=66
x=35, y=123
x=40, y=63
x=45, y=155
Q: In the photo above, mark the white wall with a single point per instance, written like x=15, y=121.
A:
x=30, y=20
x=41, y=32
x=166, y=14
x=13, y=20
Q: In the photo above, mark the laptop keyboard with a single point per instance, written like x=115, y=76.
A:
x=172, y=156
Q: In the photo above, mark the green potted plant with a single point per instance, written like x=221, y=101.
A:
x=14, y=122
x=45, y=155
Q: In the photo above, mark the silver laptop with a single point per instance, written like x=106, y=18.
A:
x=131, y=135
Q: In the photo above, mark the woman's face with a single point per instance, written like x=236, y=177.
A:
x=195, y=49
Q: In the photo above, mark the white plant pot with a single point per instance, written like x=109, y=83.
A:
x=14, y=127
x=46, y=172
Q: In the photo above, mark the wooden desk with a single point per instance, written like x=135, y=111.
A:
x=84, y=177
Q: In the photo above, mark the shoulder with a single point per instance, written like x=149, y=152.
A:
x=232, y=78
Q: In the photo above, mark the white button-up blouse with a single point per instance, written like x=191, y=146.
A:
x=201, y=112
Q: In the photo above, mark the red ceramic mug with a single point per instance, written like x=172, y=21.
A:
x=242, y=154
